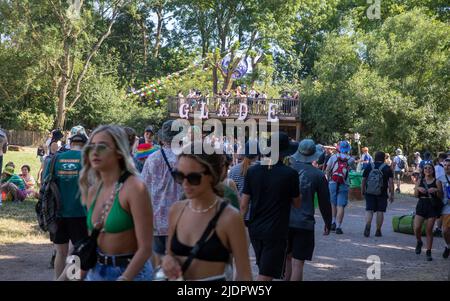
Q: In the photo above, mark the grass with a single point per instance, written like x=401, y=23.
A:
x=18, y=222
x=26, y=157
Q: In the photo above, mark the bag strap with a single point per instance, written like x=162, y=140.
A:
x=201, y=242
x=424, y=181
x=167, y=161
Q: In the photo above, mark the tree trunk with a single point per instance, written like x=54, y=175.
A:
x=144, y=40
x=215, y=80
x=159, y=13
x=63, y=86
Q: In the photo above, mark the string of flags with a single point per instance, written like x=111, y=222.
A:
x=155, y=86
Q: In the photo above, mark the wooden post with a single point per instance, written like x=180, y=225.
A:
x=297, y=131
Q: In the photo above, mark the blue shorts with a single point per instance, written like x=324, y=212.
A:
x=103, y=272
x=338, y=194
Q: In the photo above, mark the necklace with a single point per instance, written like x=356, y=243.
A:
x=202, y=210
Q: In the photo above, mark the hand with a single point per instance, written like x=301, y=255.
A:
x=421, y=189
x=391, y=198
x=171, y=267
x=326, y=231
x=432, y=190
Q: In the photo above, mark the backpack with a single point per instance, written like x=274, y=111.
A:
x=374, y=183
x=48, y=203
x=401, y=163
x=340, y=174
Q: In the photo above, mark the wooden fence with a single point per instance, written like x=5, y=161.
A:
x=26, y=138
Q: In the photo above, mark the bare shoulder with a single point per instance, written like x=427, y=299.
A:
x=231, y=216
x=176, y=208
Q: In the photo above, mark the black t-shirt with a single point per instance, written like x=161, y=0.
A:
x=271, y=191
x=387, y=173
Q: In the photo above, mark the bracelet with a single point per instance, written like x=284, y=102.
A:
x=122, y=278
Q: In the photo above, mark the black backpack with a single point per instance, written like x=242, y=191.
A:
x=48, y=204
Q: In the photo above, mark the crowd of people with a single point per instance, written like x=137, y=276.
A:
x=193, y=216
x=255, y=100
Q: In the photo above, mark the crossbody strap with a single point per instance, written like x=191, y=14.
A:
x=201, y=242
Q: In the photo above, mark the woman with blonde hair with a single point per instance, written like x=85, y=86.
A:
x=204, y=230
x=119, y=204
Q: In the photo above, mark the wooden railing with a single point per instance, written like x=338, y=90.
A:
x=284, y=108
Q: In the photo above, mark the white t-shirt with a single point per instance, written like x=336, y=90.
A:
x=439, y=170
x=445, y=200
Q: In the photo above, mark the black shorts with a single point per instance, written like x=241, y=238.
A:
x=425, y=209
x=71, y=229
x=270, y=256
x=376, y=203
x=301, y=243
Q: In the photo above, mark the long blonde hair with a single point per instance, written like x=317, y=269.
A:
x=120, y=139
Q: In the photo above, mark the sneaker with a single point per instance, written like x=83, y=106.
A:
x=437, y=232
x=446, y=253
x=333, y=227
x=339, y=231
x=429, y=255
x=367, y=231
x=419, y=247
x=51, y=264
x=378, y=233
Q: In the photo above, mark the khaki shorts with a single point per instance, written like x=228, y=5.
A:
x=446, y=221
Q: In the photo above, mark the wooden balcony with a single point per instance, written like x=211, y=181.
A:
x=287, y=109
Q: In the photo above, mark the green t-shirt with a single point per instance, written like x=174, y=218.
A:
x=67, y=169
x=16, y=180
x=231, y=195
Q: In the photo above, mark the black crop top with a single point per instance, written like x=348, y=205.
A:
x=213, y=250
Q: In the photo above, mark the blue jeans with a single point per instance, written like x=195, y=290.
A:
x=103, y=272
x=338, y=194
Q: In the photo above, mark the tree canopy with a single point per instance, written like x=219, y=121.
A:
x=64, y=63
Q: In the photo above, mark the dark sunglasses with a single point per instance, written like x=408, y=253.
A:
x=99, y=148
x=193, y=178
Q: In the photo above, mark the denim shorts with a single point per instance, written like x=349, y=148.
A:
x=103, y=272
x=159, y=244
x=338, y=194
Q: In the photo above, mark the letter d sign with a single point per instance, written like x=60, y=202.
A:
x=374, y=271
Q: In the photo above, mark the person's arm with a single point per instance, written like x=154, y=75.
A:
x=170, y=265
x=363, y=185
x=141, y=211
x=297, y=201
x=391, y=189
x=418, y=189
x=245, y=200
x=323, y=195
x=438, y=190
x=238, y=243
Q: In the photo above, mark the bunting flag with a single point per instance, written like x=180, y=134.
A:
x=156, y=85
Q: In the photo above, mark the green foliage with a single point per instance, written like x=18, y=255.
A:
x=34, y=121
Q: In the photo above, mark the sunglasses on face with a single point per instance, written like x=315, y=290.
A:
x=193, y=178
x=99, y=148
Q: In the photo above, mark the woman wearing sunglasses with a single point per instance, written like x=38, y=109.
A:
x=429, y=192
x=120, y=205
x=200, y=176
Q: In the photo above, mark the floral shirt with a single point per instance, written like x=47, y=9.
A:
x=163, y=189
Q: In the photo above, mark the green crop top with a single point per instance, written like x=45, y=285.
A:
x=118, y=219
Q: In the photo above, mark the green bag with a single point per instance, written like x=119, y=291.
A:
x=405, y=224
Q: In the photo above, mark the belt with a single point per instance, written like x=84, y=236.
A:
x=114, y=260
